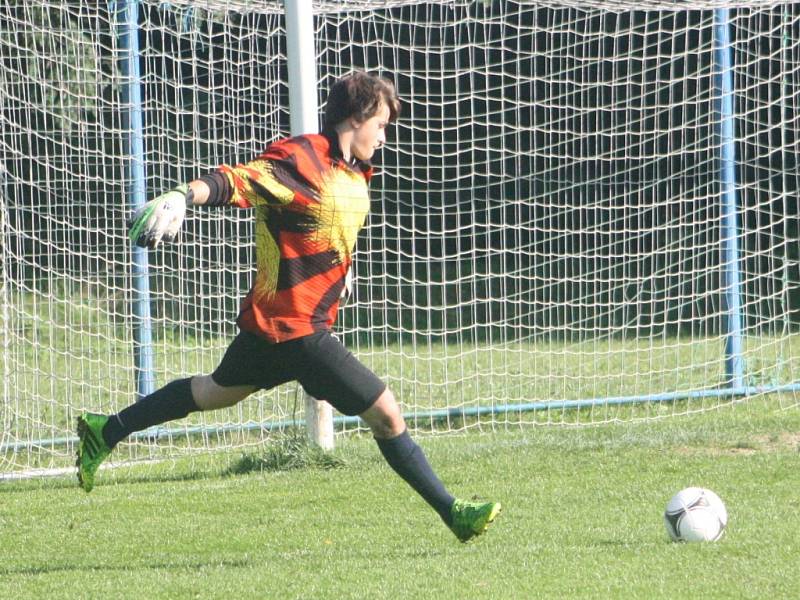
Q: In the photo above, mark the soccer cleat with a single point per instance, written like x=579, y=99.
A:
x=471, y=519
x=92, y=448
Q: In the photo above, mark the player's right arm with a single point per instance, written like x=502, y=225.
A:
x=257, y=183
x=264, y=181
x=160, y=218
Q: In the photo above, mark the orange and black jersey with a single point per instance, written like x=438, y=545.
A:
x=309, y=208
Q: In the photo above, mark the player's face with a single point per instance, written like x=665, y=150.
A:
x=370, y=135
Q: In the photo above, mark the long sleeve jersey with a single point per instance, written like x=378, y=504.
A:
x=309, y=208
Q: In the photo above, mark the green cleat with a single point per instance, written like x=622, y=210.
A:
x=92, y=448
x=471, y=519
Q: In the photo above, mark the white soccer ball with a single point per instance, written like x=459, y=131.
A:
x=695, y=515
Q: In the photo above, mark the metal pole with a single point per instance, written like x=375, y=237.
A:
x=303, y=107
x=136, y=192
x=5, y=337
x=731, y=279
x=303, y=114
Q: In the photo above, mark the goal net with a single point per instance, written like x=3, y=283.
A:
x=587, y=211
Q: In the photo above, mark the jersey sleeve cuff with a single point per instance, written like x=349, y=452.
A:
x=220, y=189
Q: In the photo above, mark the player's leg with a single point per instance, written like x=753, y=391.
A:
x=465, y=519
x=404, y=455
x=174, y=401
x=326, y=369
x=99, y=434
x=229, y=384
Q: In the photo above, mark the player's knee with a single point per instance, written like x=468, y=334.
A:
x=384, y=417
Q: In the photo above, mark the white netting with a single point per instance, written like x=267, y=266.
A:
x=547, y=229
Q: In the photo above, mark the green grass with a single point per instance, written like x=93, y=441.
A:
x=582, y=519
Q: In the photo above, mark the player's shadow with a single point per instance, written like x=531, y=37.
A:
x=50, y=569
x=65, y=481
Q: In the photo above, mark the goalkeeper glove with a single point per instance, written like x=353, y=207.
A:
x=160, y=218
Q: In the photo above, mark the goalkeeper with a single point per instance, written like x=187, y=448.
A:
x=310, y=199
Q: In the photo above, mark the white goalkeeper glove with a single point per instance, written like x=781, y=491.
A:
x=160, y=218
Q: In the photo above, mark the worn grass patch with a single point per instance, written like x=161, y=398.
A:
x=286, y=454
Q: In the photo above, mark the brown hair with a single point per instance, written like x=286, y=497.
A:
x=358, y=95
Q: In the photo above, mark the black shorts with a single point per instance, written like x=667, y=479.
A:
x=322, y=365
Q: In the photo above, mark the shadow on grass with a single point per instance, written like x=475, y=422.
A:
x=48, y=570
x=105, y=479
x=283, y=454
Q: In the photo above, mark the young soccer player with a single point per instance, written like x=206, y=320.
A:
x=309, y=195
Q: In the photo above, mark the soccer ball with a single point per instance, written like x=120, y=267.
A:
x=695, y=515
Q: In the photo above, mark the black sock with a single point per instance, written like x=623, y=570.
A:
x=173, y=401
x=408, y=461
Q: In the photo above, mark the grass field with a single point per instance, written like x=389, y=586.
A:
x=582, y=519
